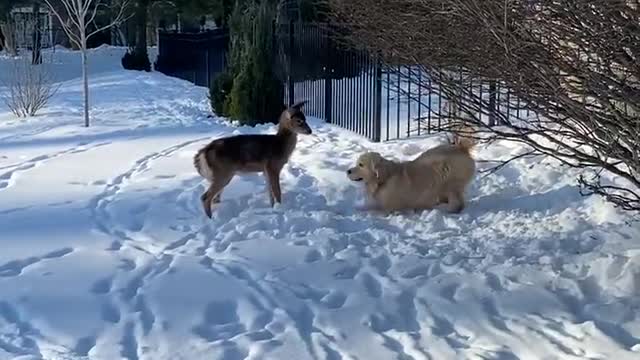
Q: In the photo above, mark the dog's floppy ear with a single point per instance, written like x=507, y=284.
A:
x=380, y=167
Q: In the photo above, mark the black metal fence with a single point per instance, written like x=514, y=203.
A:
x=196, y=57
x=357, y=91
x=341, y=84
x=344, y=86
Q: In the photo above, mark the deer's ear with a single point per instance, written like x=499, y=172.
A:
x=299, y=105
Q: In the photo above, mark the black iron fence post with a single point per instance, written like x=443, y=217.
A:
x=290, y=64
x=206, y=65
x=378, y=101
x=328, y=94
x=492, y=103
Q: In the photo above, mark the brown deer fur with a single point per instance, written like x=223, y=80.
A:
x=223, y=158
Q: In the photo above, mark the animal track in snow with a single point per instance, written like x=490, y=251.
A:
x=371, y=285
x=110, y=313
x=334, y=300
x=16, y=267
x=8, y=178
x=102, y=286
x=312, y=256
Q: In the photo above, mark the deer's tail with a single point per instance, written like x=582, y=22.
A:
x=201, y=163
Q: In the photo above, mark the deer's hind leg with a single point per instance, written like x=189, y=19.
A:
x=212, y=195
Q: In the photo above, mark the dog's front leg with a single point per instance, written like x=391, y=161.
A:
x=455, y=203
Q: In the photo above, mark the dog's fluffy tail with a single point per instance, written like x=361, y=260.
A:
x=463, y=139
x=202, y=165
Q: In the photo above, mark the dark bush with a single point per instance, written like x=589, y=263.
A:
x=134, y=61
x=219, y=93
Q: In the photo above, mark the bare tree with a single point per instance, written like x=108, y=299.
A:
x=36, y=53
x=573, y=64
x=77, y=18
x=29, y=87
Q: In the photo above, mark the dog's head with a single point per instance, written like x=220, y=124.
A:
x=371, y=168
x=294, y=119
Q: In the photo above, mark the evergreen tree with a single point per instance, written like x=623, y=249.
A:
x=251, y=91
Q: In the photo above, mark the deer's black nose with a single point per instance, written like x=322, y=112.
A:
x=349, y=171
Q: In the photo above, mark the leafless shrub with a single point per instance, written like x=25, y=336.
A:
x=574, y=65
x=28, y=87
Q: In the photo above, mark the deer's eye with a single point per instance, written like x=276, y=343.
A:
x=360, y=165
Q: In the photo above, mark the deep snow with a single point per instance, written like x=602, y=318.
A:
x=106, y=253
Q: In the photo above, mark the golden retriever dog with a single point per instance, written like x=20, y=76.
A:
x=439, y=175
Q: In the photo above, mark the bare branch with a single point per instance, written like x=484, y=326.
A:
x=76, y=20
x=120, y=17
x=562, y=77
x=503, y=163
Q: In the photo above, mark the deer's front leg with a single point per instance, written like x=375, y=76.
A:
x=273, y=176
x=268, y=187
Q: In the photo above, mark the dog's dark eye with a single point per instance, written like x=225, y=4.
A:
x=360, y=165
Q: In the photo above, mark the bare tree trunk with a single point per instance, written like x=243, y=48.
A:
x=80, y=15
x=85, y=70
x=9, y=37
x=36, y=56
x=141, y=27
x=85, y=83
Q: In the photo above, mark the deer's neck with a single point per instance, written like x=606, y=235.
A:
x=289, y=138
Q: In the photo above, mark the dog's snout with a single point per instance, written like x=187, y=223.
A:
x=349, y=171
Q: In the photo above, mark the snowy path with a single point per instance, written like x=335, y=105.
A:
x=107, y=255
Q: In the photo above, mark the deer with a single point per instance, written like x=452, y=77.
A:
x=220, y=160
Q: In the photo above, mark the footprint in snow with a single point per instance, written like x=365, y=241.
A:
x=312, y=256
x=371, y=285
x=102, y=286
x=334, y=300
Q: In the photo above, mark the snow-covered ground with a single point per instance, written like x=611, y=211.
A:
x=106, y=253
